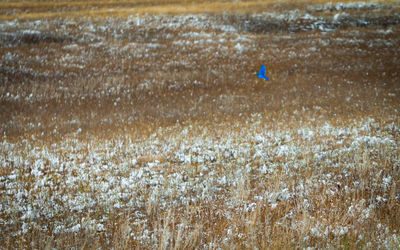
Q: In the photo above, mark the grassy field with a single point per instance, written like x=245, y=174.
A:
x=138, y=124
x=51, y=9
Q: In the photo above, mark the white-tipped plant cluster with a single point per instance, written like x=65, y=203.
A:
x=74, y=186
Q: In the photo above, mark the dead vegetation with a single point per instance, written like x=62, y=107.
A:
x=11, y=10
x=153, y=132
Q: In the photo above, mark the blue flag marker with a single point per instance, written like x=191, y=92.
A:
x=261, y=73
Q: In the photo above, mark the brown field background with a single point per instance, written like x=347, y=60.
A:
x=105, y=85
x=50, y=9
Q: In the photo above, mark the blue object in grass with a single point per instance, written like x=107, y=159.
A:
x=261, y=73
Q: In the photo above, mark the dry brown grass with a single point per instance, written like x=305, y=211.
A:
x=53, y=9
x=5, y=171
x=73, y=93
